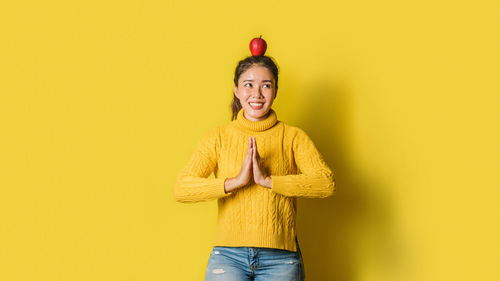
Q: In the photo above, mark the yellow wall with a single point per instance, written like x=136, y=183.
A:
x=102, y=102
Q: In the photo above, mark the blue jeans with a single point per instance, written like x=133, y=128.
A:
x=254, y=263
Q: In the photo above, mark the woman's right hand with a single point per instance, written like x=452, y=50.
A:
x=245, y=175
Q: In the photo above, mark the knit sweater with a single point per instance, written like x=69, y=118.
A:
x=253, y=215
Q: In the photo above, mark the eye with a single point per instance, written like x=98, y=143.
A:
x=268, y=85
x=248, y=84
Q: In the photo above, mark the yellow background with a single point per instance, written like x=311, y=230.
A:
x=102, y=103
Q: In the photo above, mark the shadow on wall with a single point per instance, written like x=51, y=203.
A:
x=338, y=235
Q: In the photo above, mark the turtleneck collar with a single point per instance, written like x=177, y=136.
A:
x=256, y=126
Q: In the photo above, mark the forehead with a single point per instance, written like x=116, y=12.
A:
x=257, y=73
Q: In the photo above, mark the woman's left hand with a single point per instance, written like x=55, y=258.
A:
x=259, y=175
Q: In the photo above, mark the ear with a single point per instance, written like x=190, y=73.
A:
x=235, y=91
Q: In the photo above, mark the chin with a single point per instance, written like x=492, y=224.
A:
x=258, y=113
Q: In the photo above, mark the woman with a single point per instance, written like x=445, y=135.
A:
x=261, y=166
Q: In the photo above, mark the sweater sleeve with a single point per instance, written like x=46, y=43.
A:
x=192, y=184
x=315, y=178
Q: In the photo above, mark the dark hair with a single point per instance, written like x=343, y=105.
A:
x=245, y=64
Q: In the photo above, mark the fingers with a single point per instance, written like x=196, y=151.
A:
x=245, y=175
x=255, y=155
x=249, y=150
x=255, y=151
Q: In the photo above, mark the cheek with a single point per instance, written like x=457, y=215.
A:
x=245, y=95
x=241, y=95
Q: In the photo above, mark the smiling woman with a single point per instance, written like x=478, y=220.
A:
x=256, y=186
x=255, y=87
x=256, y=92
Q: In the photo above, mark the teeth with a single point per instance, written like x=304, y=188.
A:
x=255, y=104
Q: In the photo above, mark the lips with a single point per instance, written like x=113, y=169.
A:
x=256, y=105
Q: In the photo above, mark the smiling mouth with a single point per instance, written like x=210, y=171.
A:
x=256, y=105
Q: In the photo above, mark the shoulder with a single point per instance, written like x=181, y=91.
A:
x=298, y=138
x=211, y=132
x=226, y=129
x=210, y=135
x=293, y=132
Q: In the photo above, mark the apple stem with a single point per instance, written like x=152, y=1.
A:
x=260, y=37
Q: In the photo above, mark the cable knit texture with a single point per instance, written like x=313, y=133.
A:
x=256, y=216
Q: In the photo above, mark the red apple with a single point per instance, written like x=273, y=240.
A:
x=258, y=46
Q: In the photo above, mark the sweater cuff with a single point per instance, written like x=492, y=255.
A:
x=279, y=185
x=216, y=189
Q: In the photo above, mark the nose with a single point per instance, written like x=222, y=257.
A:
x=258, y=92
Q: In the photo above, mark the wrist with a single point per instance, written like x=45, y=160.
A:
x=267, y=182
x=231, y=184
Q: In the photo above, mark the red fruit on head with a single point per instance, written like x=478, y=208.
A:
x=258, y=46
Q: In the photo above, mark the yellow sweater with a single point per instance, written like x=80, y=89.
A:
x=256, y=216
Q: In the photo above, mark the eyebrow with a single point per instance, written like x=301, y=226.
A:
x=262, y=80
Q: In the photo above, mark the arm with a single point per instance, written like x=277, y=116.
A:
x=316, y=180
x=192, y=184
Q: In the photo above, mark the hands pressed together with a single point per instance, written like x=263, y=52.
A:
x=251, y=170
